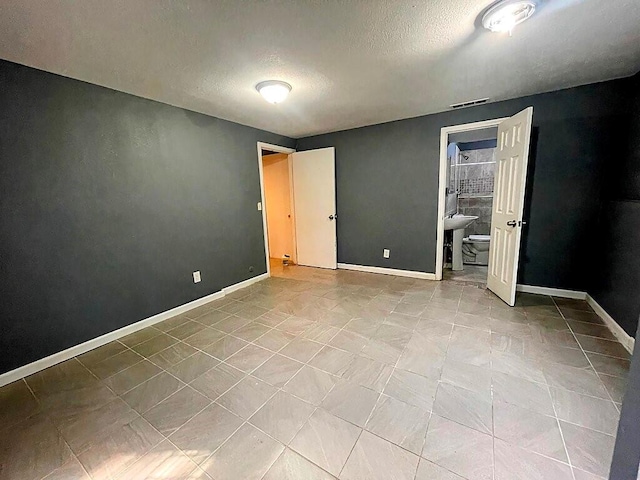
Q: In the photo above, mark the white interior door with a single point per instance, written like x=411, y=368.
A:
x=512, y=156
x=314, y=193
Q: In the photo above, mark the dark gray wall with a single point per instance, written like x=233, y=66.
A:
x=108, y=203
x=387, y=183
x=617, y=285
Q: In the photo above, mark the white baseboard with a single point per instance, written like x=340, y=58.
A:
x=387, y=271
x=51, y=360
x=554, y=292
x=623, y=337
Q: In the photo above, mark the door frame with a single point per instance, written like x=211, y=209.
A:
x=444, y=142
x=279, y=149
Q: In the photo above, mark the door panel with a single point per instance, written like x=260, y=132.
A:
x=314, y=192
x=512, y=156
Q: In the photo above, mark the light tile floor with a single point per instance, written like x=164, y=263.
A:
x=318, y=374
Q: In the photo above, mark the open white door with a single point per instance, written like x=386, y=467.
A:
x=314, y=193
x=512, y=156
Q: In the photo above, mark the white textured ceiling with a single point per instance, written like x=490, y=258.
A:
x=351, y=62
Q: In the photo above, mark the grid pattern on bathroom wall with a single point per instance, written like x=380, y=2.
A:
x=476, y=186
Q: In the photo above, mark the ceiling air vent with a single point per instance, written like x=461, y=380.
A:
x=470, y=103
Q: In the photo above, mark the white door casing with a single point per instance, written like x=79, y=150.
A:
x=512, y=156
x=314, y=191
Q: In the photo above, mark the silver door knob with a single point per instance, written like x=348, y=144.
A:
x=511, y=223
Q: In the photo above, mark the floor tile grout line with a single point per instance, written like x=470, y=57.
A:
x=376, y=404
x=326, y=343
x=55, y=426
x=592, y=367
x=553, y=405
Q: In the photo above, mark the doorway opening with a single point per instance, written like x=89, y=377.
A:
x=278, y=216
x=483, y=171
x=298, y=203
x=471, y=161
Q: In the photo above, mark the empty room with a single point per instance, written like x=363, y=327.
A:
x=319, y=240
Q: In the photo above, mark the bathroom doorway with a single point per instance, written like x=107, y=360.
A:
x=483, y=170
x=471, y=161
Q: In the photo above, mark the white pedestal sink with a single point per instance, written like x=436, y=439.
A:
x=458, y=223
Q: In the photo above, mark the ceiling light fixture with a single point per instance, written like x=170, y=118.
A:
x=506, y=14
x=274, y=91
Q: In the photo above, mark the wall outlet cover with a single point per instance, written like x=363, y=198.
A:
x=386, y=252
x=259, y=206
x=196, y=277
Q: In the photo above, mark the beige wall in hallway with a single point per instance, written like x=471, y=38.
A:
x=278, y=203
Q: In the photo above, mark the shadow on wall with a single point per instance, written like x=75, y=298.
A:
x=528, y=192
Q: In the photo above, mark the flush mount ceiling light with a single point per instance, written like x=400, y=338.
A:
x=506, y=14
x=274, y=91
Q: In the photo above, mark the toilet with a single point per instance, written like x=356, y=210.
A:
x=475, y=249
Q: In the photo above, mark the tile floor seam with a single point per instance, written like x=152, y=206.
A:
x=248, y=420
x=165, y=438
x=383, y=293
x=373, y=409
x=555, y=411
x=589, y=360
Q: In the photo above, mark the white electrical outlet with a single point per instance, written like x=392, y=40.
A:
x=259, y=206
x=196, y=277
x=386, y=252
